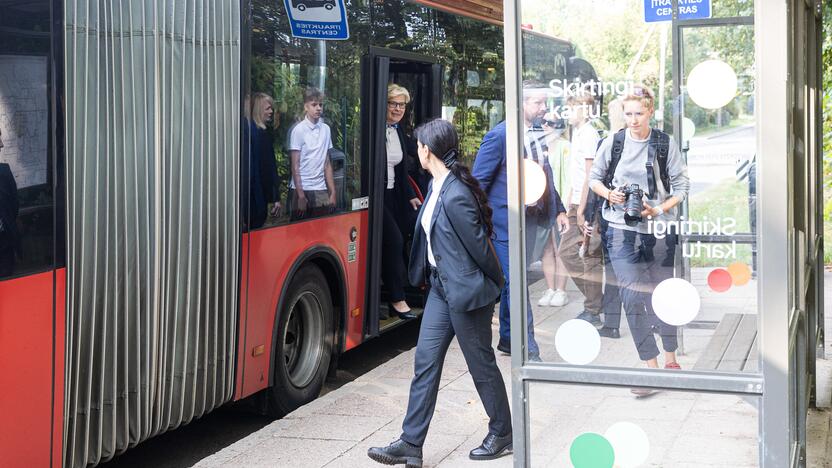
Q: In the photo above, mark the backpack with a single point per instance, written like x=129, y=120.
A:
x=657, y=150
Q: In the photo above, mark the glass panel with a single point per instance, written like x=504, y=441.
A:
x=403, y=26
x=598, y=427
x=471, y=53
x=297, y=104
x=638, y=251
x=26, y=199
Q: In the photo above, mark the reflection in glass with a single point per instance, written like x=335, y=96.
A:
x=26, y=177
x=704, y=246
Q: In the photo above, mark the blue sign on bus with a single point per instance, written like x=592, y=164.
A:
x=318, y=19
x=662, y=10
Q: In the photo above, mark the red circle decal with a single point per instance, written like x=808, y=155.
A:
x=720, y=280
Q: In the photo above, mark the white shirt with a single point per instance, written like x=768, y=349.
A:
x=583, y=146
x=313, y=140
x=394, y=155
x=427, y=214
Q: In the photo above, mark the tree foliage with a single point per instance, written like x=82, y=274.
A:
x=827, y=114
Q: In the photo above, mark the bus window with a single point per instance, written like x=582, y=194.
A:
x=298, y=108
x=26, y=199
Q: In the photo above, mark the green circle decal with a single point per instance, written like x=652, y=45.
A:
x=591, y=450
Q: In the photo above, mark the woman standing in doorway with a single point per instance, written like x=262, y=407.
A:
x=452, y=252
x=399, y=198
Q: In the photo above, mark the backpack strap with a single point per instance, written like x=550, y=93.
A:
x=615, y=156
x=662, y=150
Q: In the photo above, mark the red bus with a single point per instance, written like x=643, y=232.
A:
x=139, y=290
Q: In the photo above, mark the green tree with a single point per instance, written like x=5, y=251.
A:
x=827, y=129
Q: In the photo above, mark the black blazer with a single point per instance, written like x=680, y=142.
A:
x=465, y=259
x=404, y=191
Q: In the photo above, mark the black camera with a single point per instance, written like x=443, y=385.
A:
x=633, y=204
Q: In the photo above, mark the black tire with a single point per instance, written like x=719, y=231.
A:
x=329, y=6
x=305, y=342
x=301, y=7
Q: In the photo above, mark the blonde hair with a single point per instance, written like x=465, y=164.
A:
x=259, y=101
x=642, y=94
x=582, y=98
x=616, y=114
x=394, y=90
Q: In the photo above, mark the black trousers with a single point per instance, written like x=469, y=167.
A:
x=473, y=330
x=641, y=262
x=392, y=247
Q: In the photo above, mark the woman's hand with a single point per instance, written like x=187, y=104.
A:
x=650, y=211
x=616, y=197
x=415, y=203
x=562, y=222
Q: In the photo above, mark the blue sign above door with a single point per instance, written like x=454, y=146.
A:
x=662, y=10
x=318, y=19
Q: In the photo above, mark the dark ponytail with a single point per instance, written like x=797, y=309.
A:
x=441, y=138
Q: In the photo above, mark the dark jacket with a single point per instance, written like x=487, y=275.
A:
x=404, y=191
x=465, y=260
x=490, y=170
x=9, y=209
x=261, y=186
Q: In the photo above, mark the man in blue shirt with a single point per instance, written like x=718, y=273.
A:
x=490, y=170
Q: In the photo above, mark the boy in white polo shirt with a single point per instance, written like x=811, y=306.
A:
x=312, y=188
x=579, y=251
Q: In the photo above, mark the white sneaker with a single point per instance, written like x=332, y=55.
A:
x=559, y=299
x=546, y=300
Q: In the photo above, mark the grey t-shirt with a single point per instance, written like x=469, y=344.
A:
x=631, y=170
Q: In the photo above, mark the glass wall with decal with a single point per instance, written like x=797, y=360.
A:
x=635, y=175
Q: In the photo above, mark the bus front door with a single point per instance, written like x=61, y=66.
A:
x=422, y=77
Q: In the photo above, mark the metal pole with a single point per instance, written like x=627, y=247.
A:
x=772, y=51
x=516, y=219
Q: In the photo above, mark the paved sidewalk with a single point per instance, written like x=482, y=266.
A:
x=684, y=429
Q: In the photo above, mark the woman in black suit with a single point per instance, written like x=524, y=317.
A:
x=399, y=198
x=452, y=251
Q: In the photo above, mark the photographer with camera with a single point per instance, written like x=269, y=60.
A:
x=641, y=175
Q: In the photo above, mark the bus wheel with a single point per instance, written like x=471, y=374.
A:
x=304, y=342
x=301, y=7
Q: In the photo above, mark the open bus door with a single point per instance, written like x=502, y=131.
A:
x=423, y=79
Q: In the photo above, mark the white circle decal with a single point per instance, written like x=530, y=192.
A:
x=534, y=181
x=577, y=342
x=630, y=444
x=712, y=84
x=688, y=129
x=676, y=301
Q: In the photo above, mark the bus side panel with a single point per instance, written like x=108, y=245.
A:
x=26, y=370
x=358, y=278
x=59, y=360
x=241, y=325
x=272, y=254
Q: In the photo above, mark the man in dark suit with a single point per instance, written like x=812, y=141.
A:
x=8, y=218
x=490, y=170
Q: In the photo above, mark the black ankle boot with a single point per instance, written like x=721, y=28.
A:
x=492, y=447
x=397, y=453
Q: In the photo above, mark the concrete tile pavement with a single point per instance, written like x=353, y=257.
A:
x=683, y=429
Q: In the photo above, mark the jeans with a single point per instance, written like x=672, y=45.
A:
x=505, y=317
x=641, y=262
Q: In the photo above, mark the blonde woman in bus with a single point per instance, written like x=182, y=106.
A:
x=452, y=252
x=400, y=201
x=263, y=179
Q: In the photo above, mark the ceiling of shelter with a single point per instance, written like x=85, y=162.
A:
x=487, y=10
